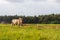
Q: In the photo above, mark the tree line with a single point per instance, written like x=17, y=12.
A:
x=41, y=19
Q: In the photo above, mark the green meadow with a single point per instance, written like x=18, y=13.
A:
x=30, y=32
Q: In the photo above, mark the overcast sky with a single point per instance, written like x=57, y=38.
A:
x=29, y=7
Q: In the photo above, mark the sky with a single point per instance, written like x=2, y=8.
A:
x=29, y=7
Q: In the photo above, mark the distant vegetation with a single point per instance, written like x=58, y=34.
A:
x=41, y=19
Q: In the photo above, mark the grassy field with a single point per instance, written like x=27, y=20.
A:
x=30, y=32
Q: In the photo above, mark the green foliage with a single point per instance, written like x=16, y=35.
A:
x=41, y=19
x=30, y=32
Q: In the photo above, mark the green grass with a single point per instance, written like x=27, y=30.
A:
x=30, y=32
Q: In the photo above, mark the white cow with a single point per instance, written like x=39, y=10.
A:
x=17, y=21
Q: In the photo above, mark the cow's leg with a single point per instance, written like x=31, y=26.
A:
x=12, y=24
x=18, y=24
x=21, y=24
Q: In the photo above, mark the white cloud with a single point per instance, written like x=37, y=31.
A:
x=39, y=0
x=23, y=0
x=58, y=1
x=3, y=2
x=29, y=7
x=15, y=1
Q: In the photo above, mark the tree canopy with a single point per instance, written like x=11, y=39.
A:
x=41, y=19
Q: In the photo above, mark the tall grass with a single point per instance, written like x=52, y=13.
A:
x=30, y=32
